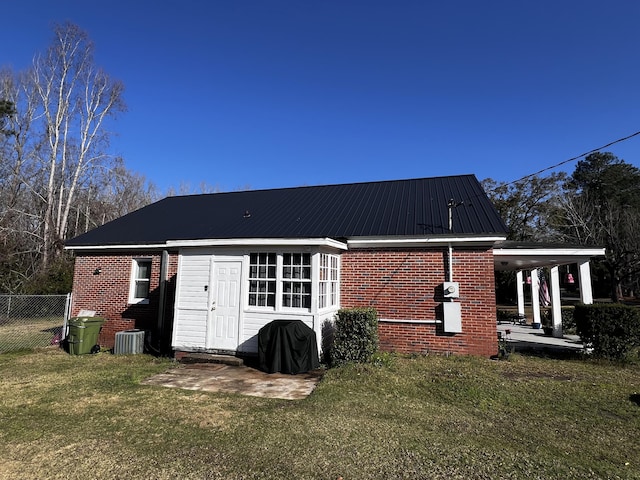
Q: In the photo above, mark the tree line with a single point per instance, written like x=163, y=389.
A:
x=57, y=178
x=597, y=205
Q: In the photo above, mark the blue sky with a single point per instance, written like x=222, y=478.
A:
x=285, y=93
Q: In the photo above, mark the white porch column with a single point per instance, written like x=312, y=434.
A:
x=535, y=297
x=520, y=288
x=556, y=304
x=586, y=294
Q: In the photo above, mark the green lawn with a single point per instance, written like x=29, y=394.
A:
x=88, y=416
x=28, y=333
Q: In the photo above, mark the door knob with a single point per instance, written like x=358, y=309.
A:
x=213, y=306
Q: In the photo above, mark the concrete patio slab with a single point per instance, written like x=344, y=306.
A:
x=240, y=380
x=525, y=337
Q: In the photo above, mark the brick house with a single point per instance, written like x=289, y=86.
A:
x=203, y=273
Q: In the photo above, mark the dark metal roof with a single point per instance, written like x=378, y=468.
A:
x=416, y=207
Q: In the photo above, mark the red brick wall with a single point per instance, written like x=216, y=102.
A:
x=402, y=284
x=405, y=284
x=108, y=292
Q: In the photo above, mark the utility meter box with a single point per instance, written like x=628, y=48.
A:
x=452, y=322
x=451, y=289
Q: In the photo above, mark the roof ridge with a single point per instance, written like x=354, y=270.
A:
x=325, y=185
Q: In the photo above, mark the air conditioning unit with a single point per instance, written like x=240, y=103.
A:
x=451, y=289
x=129, y=342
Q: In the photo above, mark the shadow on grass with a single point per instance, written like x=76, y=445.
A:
x=553, y=352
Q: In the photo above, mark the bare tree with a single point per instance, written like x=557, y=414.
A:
x=76, y=100
x=20, y=215
x=57, y=178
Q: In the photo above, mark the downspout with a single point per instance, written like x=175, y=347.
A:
x=162, y=297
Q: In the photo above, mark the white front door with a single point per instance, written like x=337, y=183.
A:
x=224, y=316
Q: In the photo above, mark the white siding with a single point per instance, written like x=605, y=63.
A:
x=191, y=330
x=193, y=276
x=192, y=302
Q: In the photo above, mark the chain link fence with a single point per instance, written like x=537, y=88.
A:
x=32, y=321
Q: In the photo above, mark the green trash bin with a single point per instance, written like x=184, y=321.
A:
x=83, y=335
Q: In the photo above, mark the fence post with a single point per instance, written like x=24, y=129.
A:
x=67, y=313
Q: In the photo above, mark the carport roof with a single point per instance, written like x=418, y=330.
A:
x=511, y=255
x=397, y=208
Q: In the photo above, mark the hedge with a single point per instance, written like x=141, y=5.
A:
x=355, y=337
x=612, y=330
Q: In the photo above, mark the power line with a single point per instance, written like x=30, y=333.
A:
x=576, y=157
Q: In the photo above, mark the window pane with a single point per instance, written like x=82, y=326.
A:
x=144, y=269
x=142, y=289
x=253, y=299
x=272, y=272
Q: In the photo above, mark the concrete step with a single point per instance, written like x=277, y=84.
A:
x=212, y=358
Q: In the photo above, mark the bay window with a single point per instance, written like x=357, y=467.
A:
x=286, y=280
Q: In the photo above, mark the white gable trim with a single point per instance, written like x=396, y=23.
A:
x=145, y=246
x=223, y=242
x=258, y=242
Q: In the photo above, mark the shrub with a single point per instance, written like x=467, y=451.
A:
x=568, y=322
x=612, y=330
x=504, y=316
x=356, y=336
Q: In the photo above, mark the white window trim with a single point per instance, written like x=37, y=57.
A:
x=279, y=307
x=330, y=304
x=133, y=300
x=261, y=308
x=282, y=280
